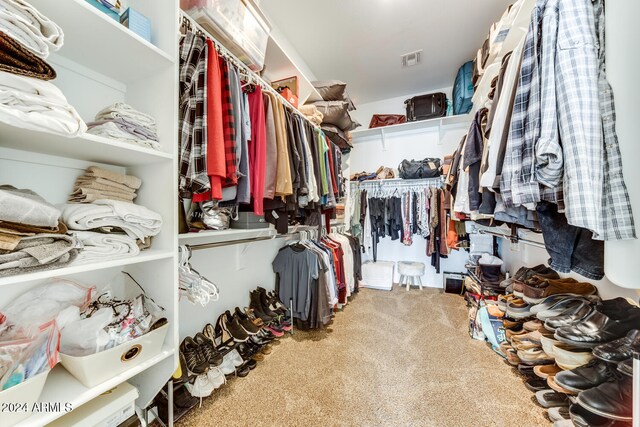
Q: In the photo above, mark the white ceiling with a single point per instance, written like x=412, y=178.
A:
x=361, y=41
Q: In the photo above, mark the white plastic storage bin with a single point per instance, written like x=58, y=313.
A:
x=237, y=24
x=110, y=409
x=378, y=275
x=16, y=403
x=97, y=368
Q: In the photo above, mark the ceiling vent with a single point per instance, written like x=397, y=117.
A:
x=412, y=58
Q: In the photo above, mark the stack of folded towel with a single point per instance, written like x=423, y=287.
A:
x=122, y=122
x=111, y=228
x=97, y=183
x=26, y=99
x=32, y=236
x=312, y=113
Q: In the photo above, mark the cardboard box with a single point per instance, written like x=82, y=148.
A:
x=137, y=22
x=288, y=88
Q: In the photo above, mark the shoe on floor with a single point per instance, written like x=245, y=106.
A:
x=569, y=317
x=512, y=357
x=548, y=345
x=570, y=357
x=531, y=337
x=535, y=384
x=514, y=325
x=550, y=399
x=620, y=349
x=551, y=382
x=585, y=377
x=545, y=371
x=527, y=370
x=561, y=307
x=548, y=302
x=534, y=356
x=535, y=290
x=558, y=413
x=533, y=325
x=509, y=334
x=612, y=399
x=611, y=319
x=581, y=417
x=193, y=356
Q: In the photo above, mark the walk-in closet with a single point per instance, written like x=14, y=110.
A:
x=336, y=213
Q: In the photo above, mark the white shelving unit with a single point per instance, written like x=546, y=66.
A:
x=418, y=126
x=103, y=62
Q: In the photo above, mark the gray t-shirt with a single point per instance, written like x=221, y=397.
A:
x=296, y=269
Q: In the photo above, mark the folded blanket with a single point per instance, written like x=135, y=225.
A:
x=11, y=233
x=26, y=207
x=23, y=22
x=16, y=59
x=93, y=185
x=90, y=195
x=128, y=180
x=100, y=246
x=38, y=105
x=130, y=127
x=122, y=110
x=112, y=129
x=39, y=252
x=94, y=182
x=137, y=221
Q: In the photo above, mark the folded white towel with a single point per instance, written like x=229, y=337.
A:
x=24, y=23
x=111, y=130
x=101, y=246
x=26, y=207
x=135, y=220
x=38, y=105
x=120, y=109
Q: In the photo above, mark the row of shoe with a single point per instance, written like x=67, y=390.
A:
x=575, y=348
x=234, y=346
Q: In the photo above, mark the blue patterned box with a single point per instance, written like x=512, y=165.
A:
x=137, y=22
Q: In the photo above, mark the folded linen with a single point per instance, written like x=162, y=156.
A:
x=39, y=252
x=26, y=207
x=24, y=23
x=11, y=233
x=128, y=180
x=90, y=195
x=122, y=110
x=34, y=104
x=112, y=129
x=312, y=113
x=16, y=59
x=137, y=221
x=105, y=246
x=102, y=183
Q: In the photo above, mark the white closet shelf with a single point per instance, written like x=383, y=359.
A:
x=95, y=40
x=278, y=66
x=145, y=256
x=221, y=236
x=62, y=387
x=412, y=126
x=87, y=147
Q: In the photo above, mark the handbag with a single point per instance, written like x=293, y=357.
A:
x=215, y=217
x=381, y=120
x=418, y=169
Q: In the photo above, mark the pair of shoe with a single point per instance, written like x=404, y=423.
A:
x=538, y=288
x=197, y=354
x=609, y=320
x=603, y=388
x=525, y=273
x=268, y=307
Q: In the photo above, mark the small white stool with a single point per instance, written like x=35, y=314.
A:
x=410, y=272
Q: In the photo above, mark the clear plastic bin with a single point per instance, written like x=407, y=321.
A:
x=238, y=25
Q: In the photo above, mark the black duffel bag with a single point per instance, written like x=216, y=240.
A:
x=417, y=169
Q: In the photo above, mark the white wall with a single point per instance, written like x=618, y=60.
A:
x=395, y=105
x=369, y=154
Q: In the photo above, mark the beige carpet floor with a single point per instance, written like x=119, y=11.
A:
x=389, y=359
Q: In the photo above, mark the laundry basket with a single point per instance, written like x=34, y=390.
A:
x=378, y=275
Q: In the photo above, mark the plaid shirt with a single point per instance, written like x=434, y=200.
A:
x=193, y=115
x=531, y=138
x=616, y=220
x=229, y=127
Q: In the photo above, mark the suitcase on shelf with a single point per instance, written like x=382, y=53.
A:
x=426, y=107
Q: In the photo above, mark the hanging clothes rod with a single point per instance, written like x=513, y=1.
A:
x=514, y=238
x=189, y=23
x=398, y=183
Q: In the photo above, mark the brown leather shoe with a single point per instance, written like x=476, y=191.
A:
x=546, y=371
x=534, y=294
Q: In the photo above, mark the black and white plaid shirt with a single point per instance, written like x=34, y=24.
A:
x=563, y=124
x=193, y=115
